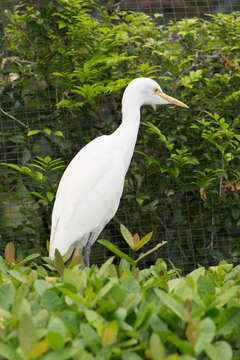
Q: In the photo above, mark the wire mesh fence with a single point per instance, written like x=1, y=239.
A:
x=176, y=10
x=20, y=216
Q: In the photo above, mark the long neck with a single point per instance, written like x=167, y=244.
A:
x=127, y=132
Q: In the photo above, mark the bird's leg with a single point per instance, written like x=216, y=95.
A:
x=87, y=251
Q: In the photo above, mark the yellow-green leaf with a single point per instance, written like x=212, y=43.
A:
x=109, y=333
x=33, y=132
x=143, y=241
x=157, y=349
x=127, y=236
x=47, y=131
x=38, y=349
x=58, y=133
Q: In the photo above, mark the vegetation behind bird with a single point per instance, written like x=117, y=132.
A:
x=184, y=181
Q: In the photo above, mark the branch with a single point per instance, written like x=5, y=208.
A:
x=12, y=117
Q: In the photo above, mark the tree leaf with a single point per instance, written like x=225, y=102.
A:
x=127, y=236
x=109, y=333
x=91, y=337
x=8, y=352
x=58, y=133
x=28, y=258
x=116, y=251
x=226, y=295
x=47, y=130
x=206, y=334
x=150, y=251
x=33, y=132
x=7, y=293
x=50, y=300
x=26, y=333
x=143, y=241
x=59, y=263
x=38, y=349
x=220, y=350
x=205, y=286
x=171, y=303
x=55, y=340
x=157, y=349
x=144, y=316
x=105, y=266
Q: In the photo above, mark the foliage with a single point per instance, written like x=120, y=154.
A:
x=68, y=62
x=135, y=244
x=118, y=312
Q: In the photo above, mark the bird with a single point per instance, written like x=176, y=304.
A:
x=91, y=186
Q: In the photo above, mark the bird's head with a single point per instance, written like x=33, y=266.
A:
x=145, y=91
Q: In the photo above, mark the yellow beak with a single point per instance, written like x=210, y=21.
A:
x=170, y=99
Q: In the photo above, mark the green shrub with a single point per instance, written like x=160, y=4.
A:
x=118, y=312
x=71, y=61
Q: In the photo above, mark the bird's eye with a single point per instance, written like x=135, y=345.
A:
x=157, y=91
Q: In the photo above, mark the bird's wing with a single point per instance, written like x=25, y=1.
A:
x=88, y=194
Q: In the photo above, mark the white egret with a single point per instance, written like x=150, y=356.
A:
x=91, y=187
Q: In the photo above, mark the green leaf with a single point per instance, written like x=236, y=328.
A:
x=55, y=340
x=41, y=285
x=131, y=285
x=182, y=345
x=116, y=251
x=150, y=251
x=57, y=325
x=12, y=166
x=220, y=350
x=90, y=337
x=106, y=288
x=171, y=303
x=58, y=133
x=73, y=296
x=59, y=262
x=117, y=294
x=231, y=322
x=144, y=316
x=7, y=293
x=19, y=298
x=47, y=130
x=26, y=333
x=206, y=334
x=50, y=300
x=27, y=259
x=157, y=349
x=226, y=295
x=66, y=354
x=127, y=236
x=33, y=132
x=72, y=277
x=8, y=352
x=205, y=286
x=105, y=266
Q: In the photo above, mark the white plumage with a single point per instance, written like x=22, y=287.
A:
x=91, y=187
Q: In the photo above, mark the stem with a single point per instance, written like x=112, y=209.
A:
x=13, y=117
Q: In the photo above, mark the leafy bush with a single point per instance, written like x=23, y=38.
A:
x=67, y=64
x=117, y=312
